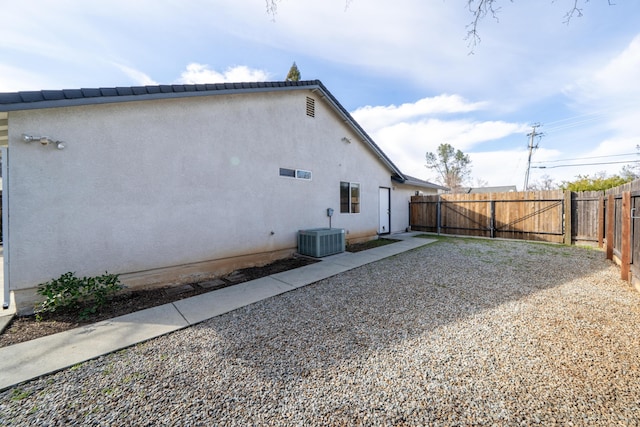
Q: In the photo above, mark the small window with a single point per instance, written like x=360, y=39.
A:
x=349, y=197
x=311, y=107
x=300, y=174
x=295, y=173
x=291, y=173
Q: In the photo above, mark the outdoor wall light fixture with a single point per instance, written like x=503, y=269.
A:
x=44, y=140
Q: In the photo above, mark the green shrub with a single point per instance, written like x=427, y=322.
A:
x=85, y=294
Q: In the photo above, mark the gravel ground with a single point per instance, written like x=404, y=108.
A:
x=460, y=332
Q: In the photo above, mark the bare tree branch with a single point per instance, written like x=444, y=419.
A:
x=574, y=11
x=479, y=9
x=272, y=7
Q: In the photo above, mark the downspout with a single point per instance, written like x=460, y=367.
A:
x=5, y=226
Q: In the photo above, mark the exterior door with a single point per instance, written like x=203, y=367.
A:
x=384, y=204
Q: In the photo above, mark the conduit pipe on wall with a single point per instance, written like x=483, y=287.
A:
x=44, y=140
x=5, y=227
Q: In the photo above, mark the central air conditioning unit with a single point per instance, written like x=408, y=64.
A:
x=320, y=242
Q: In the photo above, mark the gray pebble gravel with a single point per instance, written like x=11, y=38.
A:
x=460, y=332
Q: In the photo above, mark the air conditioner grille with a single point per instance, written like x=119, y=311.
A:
x=321, y=242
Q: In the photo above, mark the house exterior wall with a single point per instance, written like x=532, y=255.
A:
x=400, y=198
x=159, y=185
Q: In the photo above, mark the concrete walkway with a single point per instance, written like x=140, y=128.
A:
x=26, y=361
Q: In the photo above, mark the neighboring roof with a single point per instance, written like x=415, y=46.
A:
x=410, y=180
x=32, y=100
x=499, y=189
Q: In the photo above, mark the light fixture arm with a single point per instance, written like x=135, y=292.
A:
x=44, y=140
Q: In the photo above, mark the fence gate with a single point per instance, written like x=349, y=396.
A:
x=523, y=215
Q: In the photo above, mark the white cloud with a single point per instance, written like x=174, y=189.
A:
x=462, y=134
x=380, y=116
x=200, y=73
x=16, y=79
x=137, y=76
x=500, y=167
x=407, y=132
x=609, y=93
x=618, y=78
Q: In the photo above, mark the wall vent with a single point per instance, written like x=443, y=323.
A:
x=311, y=107
x=320, y=242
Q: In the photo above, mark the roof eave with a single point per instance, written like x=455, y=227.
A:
x=82, y=97
x=106, y=99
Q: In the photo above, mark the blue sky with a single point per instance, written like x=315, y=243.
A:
x=402, y=68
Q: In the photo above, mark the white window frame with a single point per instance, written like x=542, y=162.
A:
x=300, y=174
x=351, y=186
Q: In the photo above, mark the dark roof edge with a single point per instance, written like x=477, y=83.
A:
x=410, y=180
x=34, y=100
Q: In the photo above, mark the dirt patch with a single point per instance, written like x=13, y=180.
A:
x=25, y=328
x=369, y=245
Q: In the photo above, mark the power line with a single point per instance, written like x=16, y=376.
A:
x=577, y=123
x=580, y=119
x=586, y=158
x=585, y=164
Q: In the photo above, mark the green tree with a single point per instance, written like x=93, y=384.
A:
x=294, y=74
x=453, y=166
x=597, y=182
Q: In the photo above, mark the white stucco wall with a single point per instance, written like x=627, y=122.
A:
x=400, y=198
x=152, y=184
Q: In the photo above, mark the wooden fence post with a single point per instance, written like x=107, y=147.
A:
x=439, y=214
x=625, y=250
x=492, y=220
x=611, y=219
x=567, y=218
x=601, y=222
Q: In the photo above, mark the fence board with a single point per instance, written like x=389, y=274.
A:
x=530, y=215
x=585, y=214
x=517, y=215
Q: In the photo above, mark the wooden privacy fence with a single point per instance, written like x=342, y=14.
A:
x=609, y=219
x=550, y=216
x=621, y=211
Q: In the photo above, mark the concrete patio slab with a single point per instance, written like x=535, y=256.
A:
x=205, y=306
x=31, y=359
x=352, y=260
x=310, y=273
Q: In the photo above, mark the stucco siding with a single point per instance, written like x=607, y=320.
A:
x=154, y=184
x=401, y=196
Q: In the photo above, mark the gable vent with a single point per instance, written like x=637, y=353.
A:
x=311, y=107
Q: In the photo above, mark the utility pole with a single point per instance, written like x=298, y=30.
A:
x=532, y=136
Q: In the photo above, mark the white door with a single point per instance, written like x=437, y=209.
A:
x=385, y=211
